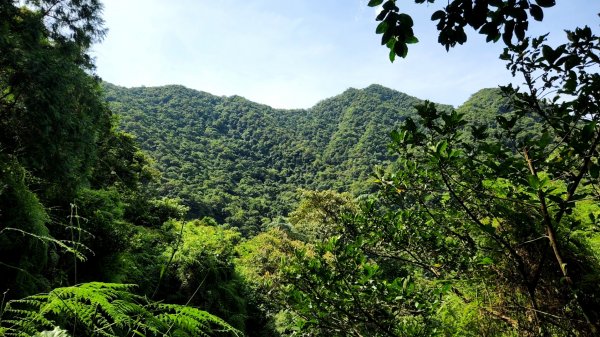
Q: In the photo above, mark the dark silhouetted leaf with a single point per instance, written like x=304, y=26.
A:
x=508, y=32
x=406, y=20
x=546, y=3
x=536, y=12
x=438, y=15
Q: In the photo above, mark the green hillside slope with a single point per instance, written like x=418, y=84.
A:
x=242, y=163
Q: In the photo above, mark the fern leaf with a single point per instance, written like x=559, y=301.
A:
x=106, y=309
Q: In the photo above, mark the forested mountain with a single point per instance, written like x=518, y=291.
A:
x=242, y=163
x=484, y=221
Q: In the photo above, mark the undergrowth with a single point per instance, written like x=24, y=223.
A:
x=108, y=310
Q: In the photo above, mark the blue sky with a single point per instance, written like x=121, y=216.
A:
x=294, y=53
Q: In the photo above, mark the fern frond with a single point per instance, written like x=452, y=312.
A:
x=190, y=321
x=106, y=309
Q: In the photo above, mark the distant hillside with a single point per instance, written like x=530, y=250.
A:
x=241, y=162
x=484, y=105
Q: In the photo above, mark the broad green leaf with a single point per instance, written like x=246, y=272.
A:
x=534, y=181
x=396, y=136
x=486, y=261
x=455, y=153
x=441, y=147
x=381, y=27
x=412, y=39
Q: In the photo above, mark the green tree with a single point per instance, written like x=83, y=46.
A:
x=51, y=110
x=51, y=118
x=514, y=209
x=318, y=215
x=526, y=194
x=199, y=270
x=258, y=262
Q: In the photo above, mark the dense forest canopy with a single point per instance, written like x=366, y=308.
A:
x=170, y=212
x=242, y=163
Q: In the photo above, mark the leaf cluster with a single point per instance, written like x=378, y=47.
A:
x=495, y=19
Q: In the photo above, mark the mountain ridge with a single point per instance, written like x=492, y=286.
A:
x=242, y=162
x=373, y=87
